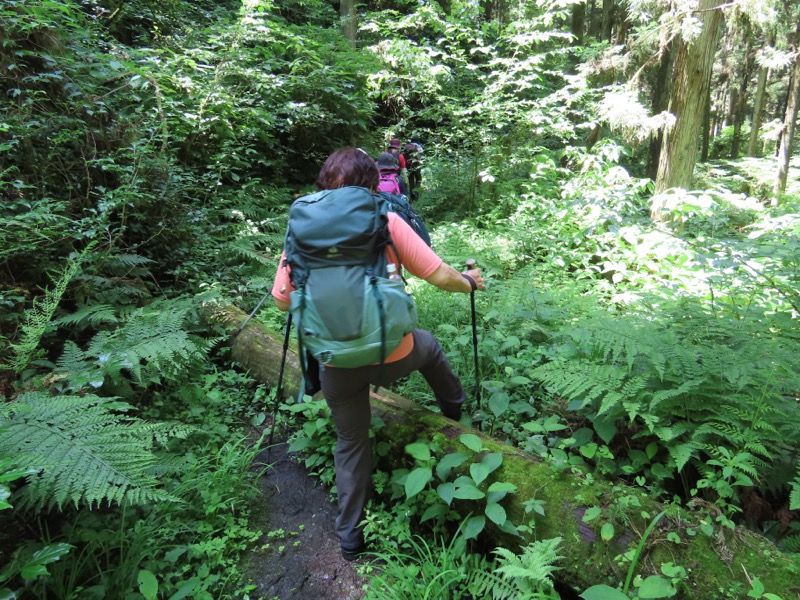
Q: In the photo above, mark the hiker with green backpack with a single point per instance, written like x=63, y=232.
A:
x=340, y=276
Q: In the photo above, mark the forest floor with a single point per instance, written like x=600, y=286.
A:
x=299, y=555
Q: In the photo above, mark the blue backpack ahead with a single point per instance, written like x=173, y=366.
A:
x=399, y=204
x=346, y=311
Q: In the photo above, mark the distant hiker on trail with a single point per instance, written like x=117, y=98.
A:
x=328, y=265
x=389, y=179
x=396, y=150
x=413, y=155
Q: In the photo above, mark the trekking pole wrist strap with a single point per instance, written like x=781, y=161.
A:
x=471, y=281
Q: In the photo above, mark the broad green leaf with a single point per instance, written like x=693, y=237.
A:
x=492, y=461
x=35, y=566
x=591, y=514
x=419, y=450
x=434, y=510
x=605, y=428
x=186, y=589
x=471, y=441
x=446, y=491
x=417, y=480
x=758, y=588
x=603, y=592
x=496, y=513
x=519, y=380
x=479, y=472
x=148, y=584
x=448, y=463
x=656, y=587
x=498, y=403
x=299, y=444
x=607, y=532
x=503, y=486
x=468, y=492
x=473, y=526
x=552, y=423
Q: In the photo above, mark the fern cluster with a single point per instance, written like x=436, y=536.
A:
x=83, y=450
x=694, y=381
x=37, y=318
x=149, y=345
x=519, y=576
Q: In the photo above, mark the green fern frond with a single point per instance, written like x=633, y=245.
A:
x=84, y=449
x=532, y=570
x=687, y=387
x=37, y=318
x=794, y=495
x=485, y=584
x=125, y=264
x=682, y=453
x=90, y=316
x=150, y=346
x=114, y=290
x=582, y=381
x=244, y=248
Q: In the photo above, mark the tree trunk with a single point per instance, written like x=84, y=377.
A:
x=714, y=563
x=707, y=129
x=758, y=110
x=789, y=121
x=741, y=104
x=578, y=23
x=608, y=19
x=595, y=19
x=349, y=20
x=661, y=92
x=494, y=10
x=691, y=78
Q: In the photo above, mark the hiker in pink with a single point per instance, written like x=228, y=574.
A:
x=389, y=175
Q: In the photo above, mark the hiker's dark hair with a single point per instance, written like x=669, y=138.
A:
x=348, y=166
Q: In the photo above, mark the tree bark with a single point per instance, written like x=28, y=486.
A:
x=741, y=104
x=789, y=121
x=707, y=132
x=608, y=19
x=691, y=78
x=661, y=92
x=578, y=23
x=349, y=20
x=758, y=110
x=714, y=563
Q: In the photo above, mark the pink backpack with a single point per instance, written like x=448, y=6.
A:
x=388, y=181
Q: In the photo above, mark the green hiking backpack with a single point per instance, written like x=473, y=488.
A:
x=347, y=312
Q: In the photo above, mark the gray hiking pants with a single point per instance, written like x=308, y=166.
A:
x=347, y=394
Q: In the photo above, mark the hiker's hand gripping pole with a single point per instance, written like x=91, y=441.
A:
x=470, y=264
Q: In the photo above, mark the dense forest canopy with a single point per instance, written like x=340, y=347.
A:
x=624, y=171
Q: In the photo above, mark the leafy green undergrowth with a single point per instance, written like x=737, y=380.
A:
x=662, y=353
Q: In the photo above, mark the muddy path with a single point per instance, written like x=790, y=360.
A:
x=298, y=556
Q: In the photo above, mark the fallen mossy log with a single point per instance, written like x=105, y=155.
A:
x=718, y=566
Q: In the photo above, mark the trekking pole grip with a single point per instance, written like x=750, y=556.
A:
x=470, y=264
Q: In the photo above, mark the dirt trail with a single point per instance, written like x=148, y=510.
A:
x=304, y=561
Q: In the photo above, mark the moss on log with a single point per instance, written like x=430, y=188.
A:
x=719, y=566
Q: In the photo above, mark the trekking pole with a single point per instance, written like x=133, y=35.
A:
x=477, y=392
x=278, y=388
x=250, y=316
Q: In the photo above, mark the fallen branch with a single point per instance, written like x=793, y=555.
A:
x=718, y=566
